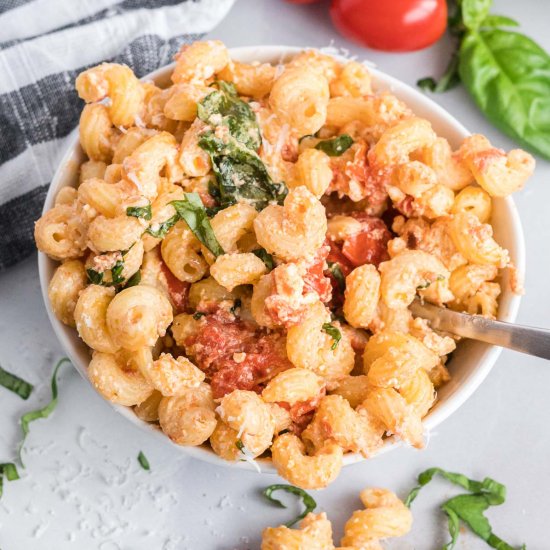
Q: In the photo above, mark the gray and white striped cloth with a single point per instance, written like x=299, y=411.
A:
x=44, y=44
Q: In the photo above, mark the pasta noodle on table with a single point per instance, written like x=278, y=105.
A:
x=241, y=250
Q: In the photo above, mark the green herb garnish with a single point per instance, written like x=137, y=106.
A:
x=225, y=108
x=336, y=272
x=134, y=280
x=307, y=499
x=198, y=314
x=116, y=272
x=468, y=508
x=240, y=173
x=15, y=384
x=336, y=146
x=334, y=333
x=9, y=470
x=240, y=445
x=44, y=412
x=506, y=73
x=95, y=277
x=143, y=462
x=163, y=228
x=266, y=257
x=143, y=212
x=192, y=211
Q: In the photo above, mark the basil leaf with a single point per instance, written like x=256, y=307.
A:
x=9, y=470
x=336, y=272
x=225, y=108
x=240, y=445
x=192, y=211
x=15, y=384
x=468, y=508
x=474, y=12
x=162, y=228
x=240, y=174
x=333, y=332
x=336, y=146
x=143, y=462
x=143, y=212
x=134, y=280
x=95, y=277
x=116, y=272
x=307, y=499
x=44, y=412
x=508, y=76
x=265, y=256
x=198, y=314
x=448, y=80
x=492, y=21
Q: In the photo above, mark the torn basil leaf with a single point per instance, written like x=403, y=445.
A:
x=265, y=256
x=134, y=280
x=468, y=508
x=192, y=211
x=336, y=272
x=9, y=470
x=198, y=314
x=44, y=412
x=116, y=272
x=143, y=212
x=336, y=146
x=334, y=333
x=307, y=499
x=241, y=174
x=15, y=384
x=161, y=229
x=240, y=445
x=95, y=277
x=143, y=462
x=225, y=108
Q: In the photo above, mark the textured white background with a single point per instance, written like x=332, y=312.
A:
x=83, y=487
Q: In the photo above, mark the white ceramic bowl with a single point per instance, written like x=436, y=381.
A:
x=470, y=363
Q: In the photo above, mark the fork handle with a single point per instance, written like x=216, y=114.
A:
x=530, y=340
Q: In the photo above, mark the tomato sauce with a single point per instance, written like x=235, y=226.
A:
x=178, y=290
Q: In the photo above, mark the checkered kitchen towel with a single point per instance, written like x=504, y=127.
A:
x=44, y=44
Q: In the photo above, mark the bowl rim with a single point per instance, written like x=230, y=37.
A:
x=70, y=342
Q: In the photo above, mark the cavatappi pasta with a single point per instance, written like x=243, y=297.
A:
x=242, y=249
x=384, y=516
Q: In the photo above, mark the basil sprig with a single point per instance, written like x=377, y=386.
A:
x=144, y=212
x=225, y=108
x=265, y=256
x=307, y=499
x=334, y=333
x=44, y=412
x=143, y=462
x=336, y=146
x=9, y=470
x=192, y=211
x=506, y=73
x=15, y=384
x=240, y=173
x=468, y=508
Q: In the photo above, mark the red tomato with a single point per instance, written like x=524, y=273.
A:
x=391, y=25
x=302, y=1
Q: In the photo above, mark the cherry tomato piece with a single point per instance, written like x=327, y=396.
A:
x=391, y=25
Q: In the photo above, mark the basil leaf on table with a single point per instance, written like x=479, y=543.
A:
x=44, y=412
x=508, y=75
x=468, y=508
x=493, y=20
x=474, y=12
x=15, y=384
x=240, y=173
x=9, y=470
x=225, y=108
x=336, y=146
x=143, y=462
x=307, y=499
x=192, y=211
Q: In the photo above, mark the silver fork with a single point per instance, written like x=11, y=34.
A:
x=531, y=340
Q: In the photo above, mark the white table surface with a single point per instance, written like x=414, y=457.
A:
x=83, y=487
